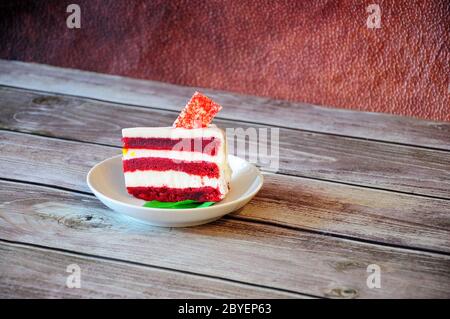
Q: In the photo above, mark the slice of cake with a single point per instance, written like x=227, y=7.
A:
x=171, y=164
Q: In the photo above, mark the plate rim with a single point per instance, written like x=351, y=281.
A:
x=172, y=210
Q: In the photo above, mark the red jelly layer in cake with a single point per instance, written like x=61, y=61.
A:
x=199, y=168
x=166, y=194
x=207, y=145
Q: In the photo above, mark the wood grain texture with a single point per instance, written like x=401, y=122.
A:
x=325, y=207
x=301, y=236
x=160, y=95
x=29, y=272
x=380, y=216
x=366, y=163
x=258, y=254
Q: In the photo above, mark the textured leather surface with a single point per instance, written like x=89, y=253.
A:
x=314, y=51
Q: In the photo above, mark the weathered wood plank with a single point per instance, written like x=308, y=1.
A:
x=27, y=272
x=381, y=216
x=356, y=212
x=259, y=254
x=237, y=107
x=359, y=162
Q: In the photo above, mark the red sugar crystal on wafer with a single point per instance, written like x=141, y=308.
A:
x=197, y=113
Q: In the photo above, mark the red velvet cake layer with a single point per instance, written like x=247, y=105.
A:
x=166, y=194
x=207, y=145
x=200, y=168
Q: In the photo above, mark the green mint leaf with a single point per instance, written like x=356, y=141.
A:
x=184, y=204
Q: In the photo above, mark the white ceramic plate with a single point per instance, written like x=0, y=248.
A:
x=107, y=183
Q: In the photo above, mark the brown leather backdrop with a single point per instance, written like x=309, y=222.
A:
x=314, y=51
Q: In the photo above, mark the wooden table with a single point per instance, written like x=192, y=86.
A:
x=353, y=189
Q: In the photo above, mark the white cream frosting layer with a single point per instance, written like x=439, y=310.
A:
x=172, y=179
x=171, y=132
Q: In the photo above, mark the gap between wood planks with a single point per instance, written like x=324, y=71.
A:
x=219, y=117
x=261, y=222
x=67, y=253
